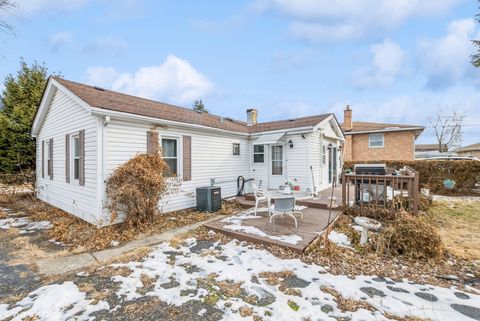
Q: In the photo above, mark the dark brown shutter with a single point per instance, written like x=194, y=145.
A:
x=152, y=142
x=81, y=170
x=187, y=158
x=67, y=158
x=43, y=159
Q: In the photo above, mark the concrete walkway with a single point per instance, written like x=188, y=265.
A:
x=65, y=264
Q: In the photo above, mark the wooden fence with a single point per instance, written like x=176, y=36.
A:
x=381, y=190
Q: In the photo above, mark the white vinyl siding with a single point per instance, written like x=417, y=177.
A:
x=67, y=116
x=211, y=158
x=376, y=140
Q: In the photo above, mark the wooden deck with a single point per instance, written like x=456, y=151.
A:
x=312, y=225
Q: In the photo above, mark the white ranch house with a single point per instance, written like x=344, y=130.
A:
x=83, y=133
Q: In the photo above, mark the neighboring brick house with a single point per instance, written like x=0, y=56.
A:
x=470, y=150
x=366, y=141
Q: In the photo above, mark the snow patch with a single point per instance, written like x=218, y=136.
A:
x=339, y=239
x=25, y=225
x=54, y=302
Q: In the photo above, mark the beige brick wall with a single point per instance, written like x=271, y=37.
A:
x=397, y=146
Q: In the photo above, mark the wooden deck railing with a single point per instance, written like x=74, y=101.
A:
x=381, y=190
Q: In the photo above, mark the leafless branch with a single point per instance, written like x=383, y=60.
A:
x=448, y=129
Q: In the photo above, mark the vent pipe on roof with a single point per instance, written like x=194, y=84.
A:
x=252, y=114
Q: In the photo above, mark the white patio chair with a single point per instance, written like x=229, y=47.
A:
x=285, y=206
x=259, y=197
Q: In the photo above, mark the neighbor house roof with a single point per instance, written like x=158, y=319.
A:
x=111, y=100
x=361, y=127
x=470, y=148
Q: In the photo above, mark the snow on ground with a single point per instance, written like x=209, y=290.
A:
x=53, y=302
x=235, y=224
x=177, y=283
x=339, y=239
x=24, y=224
x=450, y=199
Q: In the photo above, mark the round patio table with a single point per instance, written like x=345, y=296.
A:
x=278, y=194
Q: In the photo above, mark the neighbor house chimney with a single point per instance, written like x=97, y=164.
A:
x=347, y=118
x=252, y=116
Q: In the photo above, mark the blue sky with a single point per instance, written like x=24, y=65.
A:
x=399, y=61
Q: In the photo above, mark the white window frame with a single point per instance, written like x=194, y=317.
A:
x=72, y=157
x=47, y=159
x=233, y=149
x=258, y=153
x=370, y=140
x=178, y=139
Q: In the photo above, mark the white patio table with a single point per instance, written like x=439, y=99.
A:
x=277, y=194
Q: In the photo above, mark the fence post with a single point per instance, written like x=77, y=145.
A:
x=416, y=191
x=344, y=189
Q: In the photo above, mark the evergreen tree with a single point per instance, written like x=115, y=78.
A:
x=199, y=106
x=475, y=59
x=18, y=103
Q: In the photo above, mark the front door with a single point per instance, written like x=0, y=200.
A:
x=277, y=167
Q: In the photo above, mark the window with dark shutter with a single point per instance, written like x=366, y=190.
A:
x=43, y=159
x=50, y=158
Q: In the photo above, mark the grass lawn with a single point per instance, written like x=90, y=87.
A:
x=459, y=224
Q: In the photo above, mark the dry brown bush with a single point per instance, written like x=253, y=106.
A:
x=136, y=187
x=432, y=174
x=411, y=236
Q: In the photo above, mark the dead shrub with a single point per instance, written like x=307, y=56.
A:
x=432, y=173
x=411, y=236
x=136, y=187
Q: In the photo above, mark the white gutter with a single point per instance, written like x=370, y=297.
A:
x=128, y=116
x=384, y=130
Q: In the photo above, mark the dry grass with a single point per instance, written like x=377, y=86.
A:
x=81, y=236
x=29, y=253
x=459, y=227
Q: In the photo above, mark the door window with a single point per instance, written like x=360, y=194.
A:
x=277, y=160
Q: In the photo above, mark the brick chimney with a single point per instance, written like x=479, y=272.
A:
x=252, y=116
x=347, y=118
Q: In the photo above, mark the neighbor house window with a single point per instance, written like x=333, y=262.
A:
x=258, y=153
x=170, y=155
x=75, y=157
x=375, y=140
x=236, y=149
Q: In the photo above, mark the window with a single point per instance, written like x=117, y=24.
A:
x=375, y=140
x=277, y=160
x=48, y=158
x=170, y=155
x=75, y=157
x=258, y=153
x=236, y=149
x=324, y=155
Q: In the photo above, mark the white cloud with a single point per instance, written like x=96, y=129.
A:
x=58, y=40
x=174, y=81
x=31, y=7
x=387, y=64
x=111, y=45
x=446, y=60
x=417, y=108
x=318, y=20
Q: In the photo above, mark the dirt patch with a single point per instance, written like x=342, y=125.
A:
x=459, y=227
x=80, y=236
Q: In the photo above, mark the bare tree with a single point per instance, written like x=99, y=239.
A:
x=448, y=129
